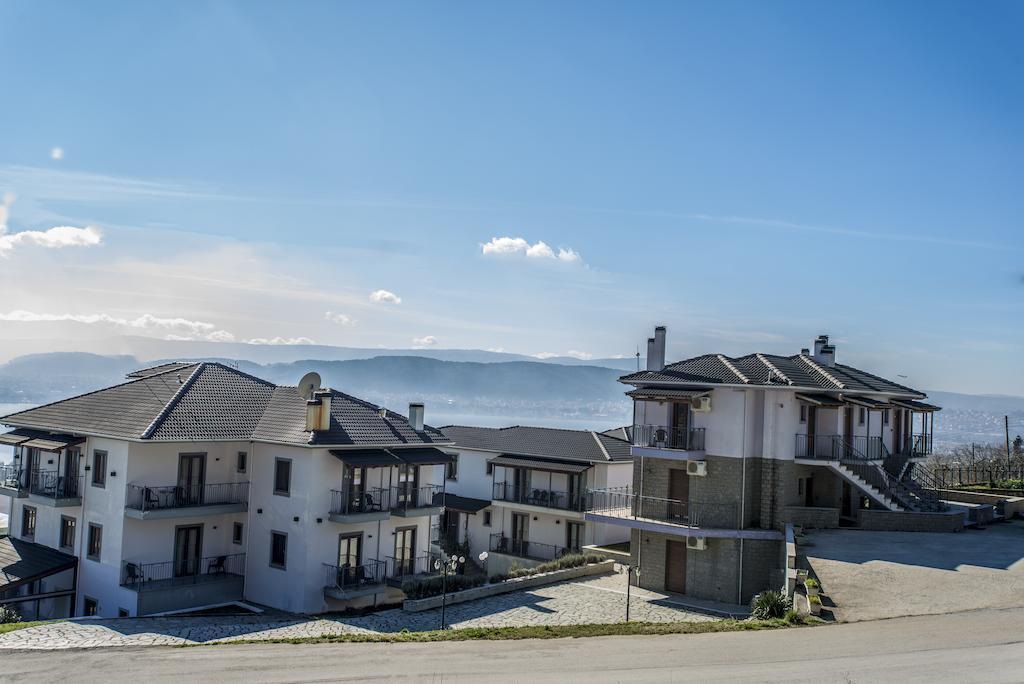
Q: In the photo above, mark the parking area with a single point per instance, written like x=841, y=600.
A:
x=600, y=600
x=872, y=575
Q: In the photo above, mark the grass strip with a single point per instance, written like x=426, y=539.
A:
x=13, y=626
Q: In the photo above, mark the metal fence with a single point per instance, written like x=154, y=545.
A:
x=621, y=502
x=991, y=475
x=142, y=576
x=668, y=437
x=146, y=498
x=349, y=577
x=403, y=498
x=369, y=500
x=547, y=498
x=523, y=548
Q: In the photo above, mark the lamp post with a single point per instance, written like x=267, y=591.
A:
x=630, y=570
x=447, y=565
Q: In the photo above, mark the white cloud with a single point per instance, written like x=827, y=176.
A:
x=53, y=238
x=57, y=153
x=385, y=297
x=425, y=341
x=581, y=355
x=280, y=340
x=538, y=250
x=545, y=355
x=341, y=318
x=220, y=336
x=174, y=328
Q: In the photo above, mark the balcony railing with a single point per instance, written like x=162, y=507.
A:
x=524, y=548
x=148, y=576
x=12, y=477
x=373, y=500
x=403, y=498
x=353, y=577
x=52, y=485
x=146, y=498
x=621, y=502
x=922, y=445
x=667, y=437
x=399, y=569
x=565, y=501
x=836, y=448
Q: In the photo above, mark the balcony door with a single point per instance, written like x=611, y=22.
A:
x=680, y=425
x=356, y=488
x=191, y=479
x=408, y=483
x=678, y=491
x=812, y=431
x=188, y=546
x=405, y=550
x=897, y=431
x=520, y=527
x=520, y=484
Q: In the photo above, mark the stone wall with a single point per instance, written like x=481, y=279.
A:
x=910, y=521
x=814, y=518
x=1008, y=506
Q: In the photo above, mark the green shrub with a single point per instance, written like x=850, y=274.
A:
x=812, y=583
x=8, y=615
x=792, y=617
x=814, y=599
x=569, y=560
x=432, y=586
x=769, y=604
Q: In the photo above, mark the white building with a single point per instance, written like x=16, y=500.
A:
x=519, y=493
x=195, y=484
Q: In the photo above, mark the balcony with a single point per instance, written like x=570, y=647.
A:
x=12, y=481
x=174, y=501
x=365, y=506
x=838, y=448
x=185, y=583
x=347, y=582
x=915, y=446
x=400, y=570
x=620, y=503
x=409, y=502
x=51, y=488
x=522, y=548
x=544, y=498
x=667, y=437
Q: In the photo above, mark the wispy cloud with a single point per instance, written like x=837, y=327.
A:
x=174, y=328
x=340, y=318
x=384, y=297
x=52, y=238
x=518, y=246
x=425, y=341
x=57, y=153
x=280, y=340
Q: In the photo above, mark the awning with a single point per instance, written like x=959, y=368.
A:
x=507, y=461
x=865, y=401
x=36, y=439
x=464, y=504
x=16, y=437
x=915, y=405
x=819, y=399
x=23, y=562
x=367, y=458
x=423, y=456
x=667, y=394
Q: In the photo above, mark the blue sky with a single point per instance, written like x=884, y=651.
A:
x=750, y=174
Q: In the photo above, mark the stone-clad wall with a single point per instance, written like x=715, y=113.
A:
x=910, y=521
x=813, y=518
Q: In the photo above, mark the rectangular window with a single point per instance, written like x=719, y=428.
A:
x=282, y=476
x=99, y=468
x=243, y=459
x=885, y=417
x=487, y=518
x=861, y=413
x=451, y=470
x=28, y=522
x=278, y=550
x=90, y=606
x=490, y=468
x=803, y=413
x=95, y=546
x=236, y=533
x=67, y=533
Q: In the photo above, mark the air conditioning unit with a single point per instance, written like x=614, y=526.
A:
x=697, y=468
x=701, y=404
x=697, y=543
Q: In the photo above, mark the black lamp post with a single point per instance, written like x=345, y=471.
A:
x=447, y=565
x=630, y=570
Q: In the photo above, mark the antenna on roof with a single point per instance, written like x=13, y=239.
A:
x=638, y=359
x=309, y=383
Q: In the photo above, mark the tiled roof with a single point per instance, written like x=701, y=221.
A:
x=24, y=561
x=210, y=401
x=768, y=370
x=519, y=440
x=155, y=370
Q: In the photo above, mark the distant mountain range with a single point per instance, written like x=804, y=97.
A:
x=472, y=387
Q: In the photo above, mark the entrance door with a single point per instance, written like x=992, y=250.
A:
x=809, y=492
x=188, y=546
x=191, y=478
x=680, y=426
x=405, y=551
x=847, y=500
x=678, y=491
x=574, y=536
x=675, y=566
x=520, y=521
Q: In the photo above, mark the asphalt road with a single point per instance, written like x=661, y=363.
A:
x=978, y=646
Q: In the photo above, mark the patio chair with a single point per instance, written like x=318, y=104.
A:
x=132, y=574
x=152, y=499
x=369, y=504
x=217, y=566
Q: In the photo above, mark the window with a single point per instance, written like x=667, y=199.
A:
x=236, y=533
x=861, y=413
x=278, y=550
x=122, y=612
x=451, y=470
x=487, y=518
x=67, y=533
x=282, y=476
x=885, y=417
x=243, y=458
x=28, y=522
x=95, y=542
x=90, y=606
x=99, y=468
x=803, y=413
x=490, y=468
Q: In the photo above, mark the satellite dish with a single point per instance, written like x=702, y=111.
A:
x=309, y=383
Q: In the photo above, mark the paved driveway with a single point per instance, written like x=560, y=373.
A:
x=593, y=601
x=871, y=575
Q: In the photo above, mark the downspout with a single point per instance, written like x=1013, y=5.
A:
x=743, y=495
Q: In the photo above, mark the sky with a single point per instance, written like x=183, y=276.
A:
x=538, y=178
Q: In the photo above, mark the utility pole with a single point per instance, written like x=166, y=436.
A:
x=1006, y=425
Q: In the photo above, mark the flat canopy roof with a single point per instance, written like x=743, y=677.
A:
x=660, y=393
x=864, y=401
x=915, y=405
x=423, y=456
x=377, y=458
x=23, y=561
x=511, y=461
x=465, y=504
x=37, y=439
x=818, y=399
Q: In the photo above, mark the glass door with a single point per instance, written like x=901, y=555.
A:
x=574, y=536
x=188, y=545
x=408, y=481
x=356, y=489
x=350, y=559
x=405, y=551
x=519, y=530
x=191, y=479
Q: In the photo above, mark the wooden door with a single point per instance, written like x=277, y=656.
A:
x=675, y=566
x=679, y=493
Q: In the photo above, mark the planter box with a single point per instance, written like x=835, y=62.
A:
x=517, y=584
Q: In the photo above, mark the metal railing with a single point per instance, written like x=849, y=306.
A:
x=836, y=448
x=523, y=548
x=147, y=498
x=143, y=576
x=534, y=496
x=12, y=477
x=667, y=437
x=621, y=502
x=51, y=484
x=404, y=498
x=350, y=577
x=922, y=445
x=399, y=569
x=370, y=500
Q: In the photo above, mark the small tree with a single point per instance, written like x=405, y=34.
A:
x=8, y=615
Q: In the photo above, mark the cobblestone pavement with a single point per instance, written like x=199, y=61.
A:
x=598, y=600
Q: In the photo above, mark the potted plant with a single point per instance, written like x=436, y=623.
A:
x=812, y=587
x=801, y=576
x=814, y=603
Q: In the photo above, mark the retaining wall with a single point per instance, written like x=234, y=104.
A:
x=812, y=518
x=911, y=521
x=1009, y=506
